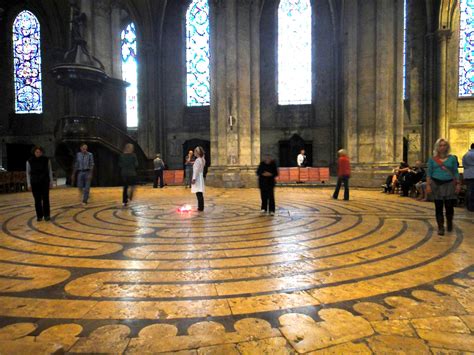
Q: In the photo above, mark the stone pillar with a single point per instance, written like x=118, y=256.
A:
x=349, y=70
x=373, y=80
x=429, y=136
x=235, y=97
x=115, y=25
x=443, y=37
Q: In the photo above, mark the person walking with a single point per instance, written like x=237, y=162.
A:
x=197, y=182
x=39, y=179
x=128, y=164
x=84, y=168
x=188, y=167
x=159, y=167
x=468, y=164
x=343, y=174
x=267, y=172
x=442, y=181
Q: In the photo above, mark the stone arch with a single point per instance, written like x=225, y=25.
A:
x=447, y=11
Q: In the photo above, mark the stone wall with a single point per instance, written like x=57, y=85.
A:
x=314, y=123
x=32, y=129
x=459, y=111
x=357, y=81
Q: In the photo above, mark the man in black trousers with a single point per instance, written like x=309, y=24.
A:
x=267, y=172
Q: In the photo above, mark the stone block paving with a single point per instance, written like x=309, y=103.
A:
x=320, y=277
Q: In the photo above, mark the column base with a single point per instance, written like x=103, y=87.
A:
x=235, y=176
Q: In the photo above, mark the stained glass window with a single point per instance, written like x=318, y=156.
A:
x=294, y=52
x=466, y=49
x=130, y=72
x=197, y=54
x=405, y=19
x=27, y=63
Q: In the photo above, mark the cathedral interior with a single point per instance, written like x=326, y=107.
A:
x=244, y=79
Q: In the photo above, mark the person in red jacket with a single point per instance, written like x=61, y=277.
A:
x=343, y=174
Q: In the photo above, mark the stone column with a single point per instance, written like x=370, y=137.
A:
x=428, y=136
x=235, y=97
x=373, y=79
x=443, y=37
x=115, y=25
x=349, y=70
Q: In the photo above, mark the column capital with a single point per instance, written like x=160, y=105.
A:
x=102, y=8
x=443, y=34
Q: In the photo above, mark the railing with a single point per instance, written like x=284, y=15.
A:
x=81, y=128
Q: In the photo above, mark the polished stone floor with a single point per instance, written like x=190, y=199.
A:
x=321, y=276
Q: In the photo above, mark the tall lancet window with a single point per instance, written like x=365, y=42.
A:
x=294, y=52
x=130, y=72
x=198, y=88
x=466, y=49
x=27, y=63
x=405, y=68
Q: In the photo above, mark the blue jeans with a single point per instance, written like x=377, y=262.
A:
x=84, y=184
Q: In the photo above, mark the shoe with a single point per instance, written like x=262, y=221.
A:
x=84, y=203
x=39, y=219
x=440, y=222
x=449, y=224
x=263, y=211
x=47, y=218
x=124, y=204
x=272, y=213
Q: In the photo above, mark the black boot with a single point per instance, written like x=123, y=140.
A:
x=449, y=223
x=440, y=220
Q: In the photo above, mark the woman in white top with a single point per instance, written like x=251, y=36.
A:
x=197, y=183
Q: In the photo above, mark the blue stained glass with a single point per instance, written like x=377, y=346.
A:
x=294, y=52
x=197, y=54
x=466, y=49
x=405, y=19
x=130, y=72
x=27, y=63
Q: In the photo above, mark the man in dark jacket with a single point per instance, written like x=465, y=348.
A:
x=267, y=172
x=39, y=178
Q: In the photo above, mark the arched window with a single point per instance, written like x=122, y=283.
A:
x=466, y=49
x=130, y=73
x=27, y=63
x=198, y=88
x=405, y=68
x=294, y=52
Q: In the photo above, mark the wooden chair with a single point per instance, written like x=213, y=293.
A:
x=5, y=180
x=19, y=181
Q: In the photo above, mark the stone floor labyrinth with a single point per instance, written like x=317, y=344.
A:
x=368, y=275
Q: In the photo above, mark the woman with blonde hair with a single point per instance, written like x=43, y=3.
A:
x=197, y=182
x=128, y=164
x=442, y=181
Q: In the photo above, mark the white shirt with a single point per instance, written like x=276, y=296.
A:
x=300, y=160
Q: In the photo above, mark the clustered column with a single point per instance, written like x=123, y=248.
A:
x=235, y=97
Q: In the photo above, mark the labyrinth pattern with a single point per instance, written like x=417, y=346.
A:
x=368, y=275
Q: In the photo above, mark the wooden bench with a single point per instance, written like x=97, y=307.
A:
x=294, y=175
x=173, y=177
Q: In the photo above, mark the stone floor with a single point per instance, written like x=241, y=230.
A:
x=320, y=277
